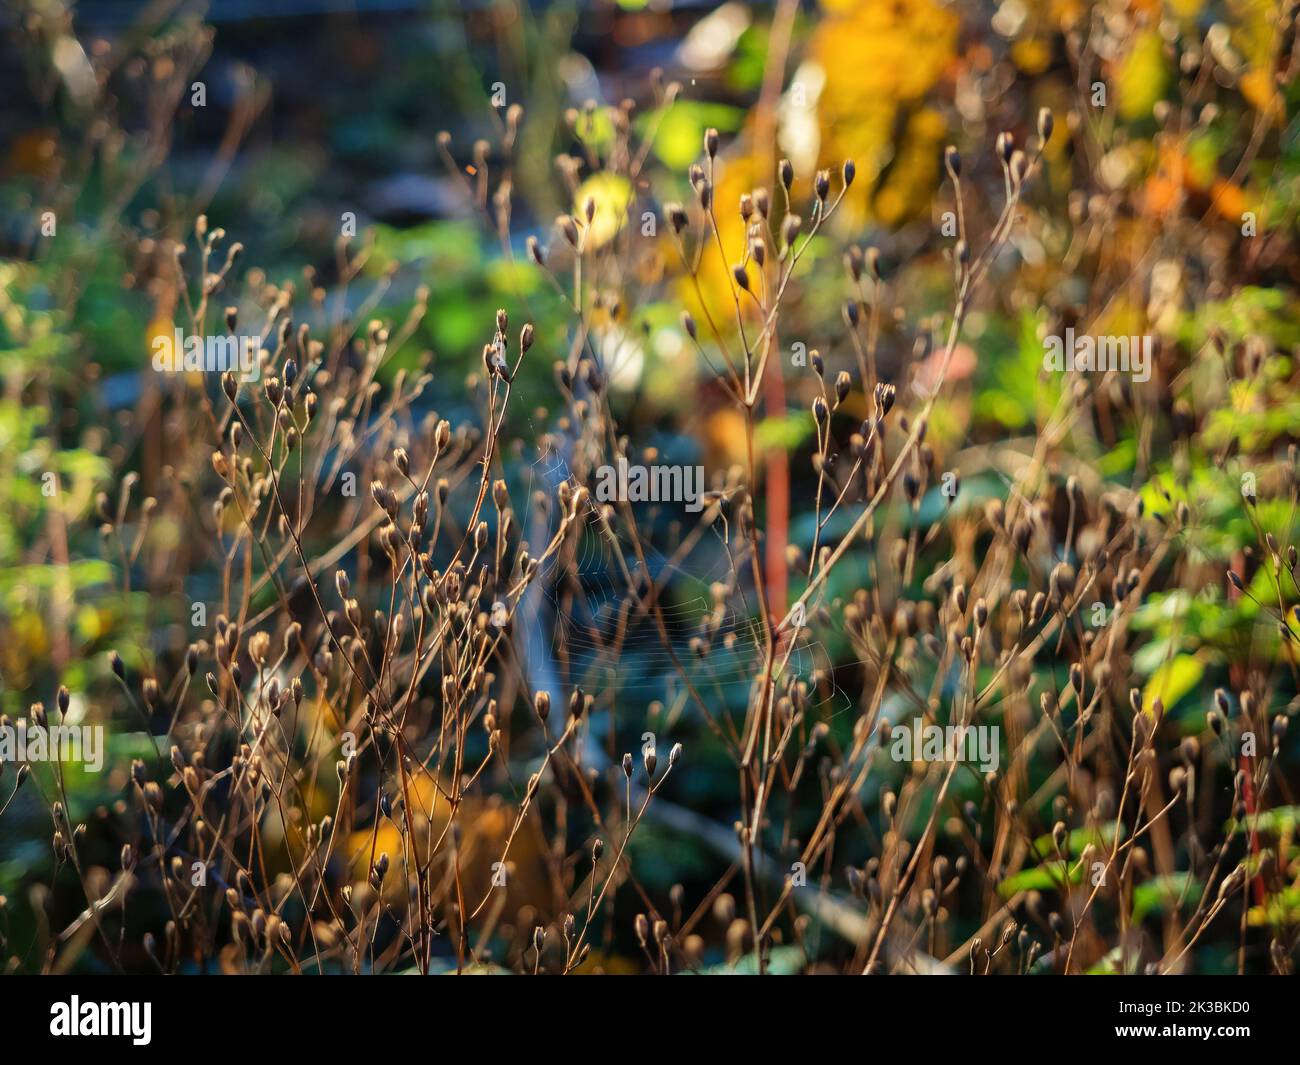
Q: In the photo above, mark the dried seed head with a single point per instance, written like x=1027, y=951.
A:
x=952, y=162
x=1076, y=678
x=790, y=228
x=1019, y=166
x=821, y=413
x=843, y=384
x=1061, y=582
x=787, y=174
x=885, y=395
x=1045, y=125
x=1037, y=608
x=959, y=598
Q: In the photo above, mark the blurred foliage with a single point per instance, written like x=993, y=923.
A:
x=885, y=83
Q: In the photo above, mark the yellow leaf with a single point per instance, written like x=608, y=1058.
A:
x=1260, y=91
x=1031, y=55
x=1142, y=76
x=611, y=194
x=878, y=56
x=1172, y=681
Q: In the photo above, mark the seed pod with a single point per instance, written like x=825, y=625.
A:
x=843, y=384
x=1061, y=581
x=885, y=396
x=820, y=411
x=1037, y=608
x=952, y=162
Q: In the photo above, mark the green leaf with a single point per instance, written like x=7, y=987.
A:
x=681, y=131
x=1172, y=681
x=1044, y=847
x=1047, y=877
x=1271, y=822
x=1163, y=893
x=786, y=432
x=783, y=961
